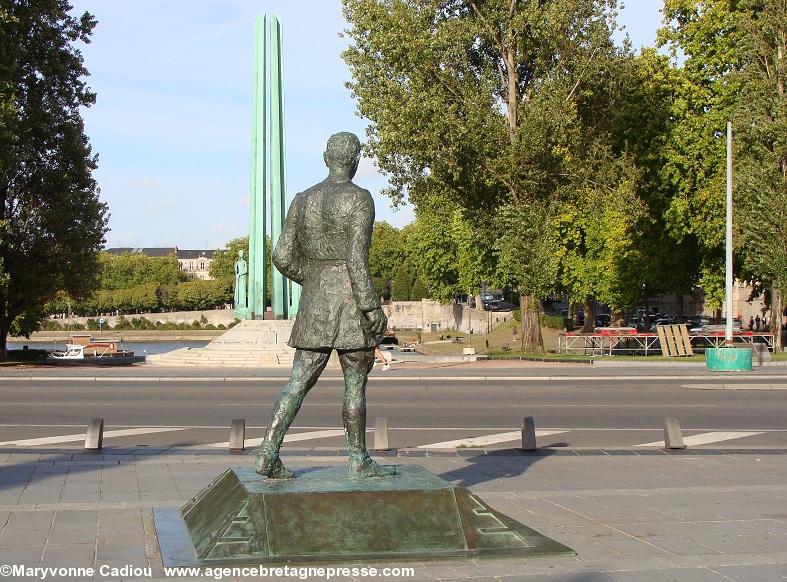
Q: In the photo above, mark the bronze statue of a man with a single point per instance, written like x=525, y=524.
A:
x=324, y=246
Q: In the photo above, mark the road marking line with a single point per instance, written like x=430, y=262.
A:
x=613, y=405
x=289, y=438
x=491, y=439
x=68, y=438
x=735, y=386
x=706, y=438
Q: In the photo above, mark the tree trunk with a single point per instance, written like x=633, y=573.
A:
x=618, y=317
x=532, y=341
x=573, y=314
x=777, y=311
x=3, y=343
x=679, y=306
x=590, y=315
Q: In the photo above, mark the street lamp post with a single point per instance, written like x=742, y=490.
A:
x=728, y=274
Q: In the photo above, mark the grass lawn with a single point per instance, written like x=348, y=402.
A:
x=493, y=344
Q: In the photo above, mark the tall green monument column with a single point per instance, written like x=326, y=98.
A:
x=268, y=191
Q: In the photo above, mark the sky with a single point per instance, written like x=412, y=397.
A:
x=172, y=120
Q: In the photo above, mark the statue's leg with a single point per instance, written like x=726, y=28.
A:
x=356, y=366
x=306, y=369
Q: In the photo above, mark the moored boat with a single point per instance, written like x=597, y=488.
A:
x=83, y=350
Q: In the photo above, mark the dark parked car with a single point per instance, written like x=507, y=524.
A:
x=603, y=320
x=500, y=306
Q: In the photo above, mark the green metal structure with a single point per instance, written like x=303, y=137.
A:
x=267, y=200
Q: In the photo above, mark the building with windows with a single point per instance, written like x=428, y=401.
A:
x=195, y=263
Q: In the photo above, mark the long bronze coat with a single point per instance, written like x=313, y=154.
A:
x=324, y=246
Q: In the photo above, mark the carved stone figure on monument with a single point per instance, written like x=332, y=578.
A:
x=241, y=275
x=324, y=246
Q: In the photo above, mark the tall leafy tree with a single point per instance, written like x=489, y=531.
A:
x=706, y=39
x=386, y=253
x=475, y=103
x=761, y=152
x=132, y=269
x=53, y=223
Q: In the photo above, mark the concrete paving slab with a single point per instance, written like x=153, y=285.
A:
x=748, y=573
x=628, y=517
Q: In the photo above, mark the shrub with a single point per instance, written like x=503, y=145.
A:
x=51, y=325
x=553, y=321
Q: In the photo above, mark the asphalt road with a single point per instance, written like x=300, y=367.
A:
x=600, y=409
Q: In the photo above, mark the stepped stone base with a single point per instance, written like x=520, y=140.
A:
x=242, y=517
x=250, y=344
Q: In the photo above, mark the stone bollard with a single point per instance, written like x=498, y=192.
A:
x=94, y=437
x=673, y=437
x=381, y=434
x=238, y=434
x=529, y=434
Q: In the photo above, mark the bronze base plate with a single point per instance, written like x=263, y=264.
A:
x=242, y=517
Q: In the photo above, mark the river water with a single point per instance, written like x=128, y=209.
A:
x=139, y=348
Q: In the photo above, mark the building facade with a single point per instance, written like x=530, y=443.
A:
x=195, y=263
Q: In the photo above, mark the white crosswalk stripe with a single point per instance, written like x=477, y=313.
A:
x=69, y=438
x=491, y=439
x=289, y=438
x=706, y=438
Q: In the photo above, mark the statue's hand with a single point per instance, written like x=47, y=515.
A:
x=376, y=322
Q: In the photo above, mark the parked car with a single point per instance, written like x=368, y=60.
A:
x=500, y=306
x=603, y=320
x=658, y=322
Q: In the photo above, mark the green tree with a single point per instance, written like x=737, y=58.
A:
x=402, y=283
x=53, y=223
x=386, y=254
x=129, y=270
x=707, y=36
x=663, y=259
x=476, y=103
x=199, y=295
x=761, y=152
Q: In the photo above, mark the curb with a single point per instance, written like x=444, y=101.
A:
x=440, y=379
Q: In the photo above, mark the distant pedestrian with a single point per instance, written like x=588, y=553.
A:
x=751, y=323
x=764, y=323
x=757, y=322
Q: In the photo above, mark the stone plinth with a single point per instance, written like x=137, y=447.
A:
x=242, y=517
x=250, y=344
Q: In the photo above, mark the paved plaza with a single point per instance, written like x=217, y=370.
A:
x=708, y=514
x=601, y=483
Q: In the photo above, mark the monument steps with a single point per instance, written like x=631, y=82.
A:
x=250, y=344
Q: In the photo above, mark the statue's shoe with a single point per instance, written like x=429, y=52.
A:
x=272, y=467
x=363, y=467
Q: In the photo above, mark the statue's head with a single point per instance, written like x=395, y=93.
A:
x=240, y=254
x=343, y=153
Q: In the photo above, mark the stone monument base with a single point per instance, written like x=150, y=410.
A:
x=250, y=344
x=242, y=517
